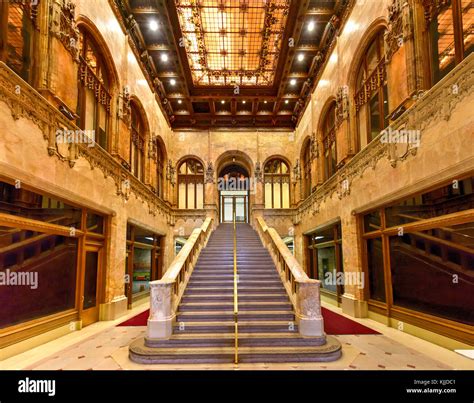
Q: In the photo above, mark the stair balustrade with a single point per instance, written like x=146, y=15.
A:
x=304, y=293
x=166, y=293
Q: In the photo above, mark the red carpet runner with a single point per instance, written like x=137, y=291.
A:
x=334, y=323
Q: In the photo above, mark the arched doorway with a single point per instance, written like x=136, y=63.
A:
x=233, y=185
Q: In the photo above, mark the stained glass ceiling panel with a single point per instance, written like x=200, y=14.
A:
x=231, y=42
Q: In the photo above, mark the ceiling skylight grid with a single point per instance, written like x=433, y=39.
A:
x=233, y=41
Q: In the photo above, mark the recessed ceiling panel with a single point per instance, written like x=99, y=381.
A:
x=232, y=42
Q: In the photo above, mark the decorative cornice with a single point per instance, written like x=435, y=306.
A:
x=433, y=106
x=25, y=102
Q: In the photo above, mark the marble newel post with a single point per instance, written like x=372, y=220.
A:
x=160, y=322
x=310, y=320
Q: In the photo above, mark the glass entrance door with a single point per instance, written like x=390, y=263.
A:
x=234, y=204
x=90, y=294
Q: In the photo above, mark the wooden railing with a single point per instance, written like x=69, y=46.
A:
x=304, y=292
x=166, y=294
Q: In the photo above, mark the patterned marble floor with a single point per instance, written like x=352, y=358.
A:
x=107, y=349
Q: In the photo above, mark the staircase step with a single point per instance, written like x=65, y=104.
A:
x=243, y=306
x=229, y=315
x=204, y=331
x=230, y=297
x=139, y=352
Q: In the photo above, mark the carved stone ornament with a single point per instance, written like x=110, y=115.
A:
x=63, y=25
x=258, y=172
x=210, y=173
x=26, y=103
x=435, y=105
x=297, y=171
x=400, y=27
x=124, y=109
x=314, y=150
x=342, y=104
x=152, y=147
x=170, y=172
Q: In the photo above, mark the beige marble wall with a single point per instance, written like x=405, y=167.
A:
x=446, y=150
x=249, y=147
x=445, y=153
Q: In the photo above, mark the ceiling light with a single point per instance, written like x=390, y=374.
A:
x=311, y=26
x=244, y=102
x=293, y=81
x=318, y=237
x=286, y=101
x=222, y=102
x=300, y=57
x=179, y=101
x=265, y=102
x=153, y=25
x=172, y=81
x=164, y=57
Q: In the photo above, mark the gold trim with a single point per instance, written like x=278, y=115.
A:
x=236, y=298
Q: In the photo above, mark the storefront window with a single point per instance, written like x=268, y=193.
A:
x=37, y=274
x=430, y=264
x=144, y=262
x=43, y=271
x=325, y=259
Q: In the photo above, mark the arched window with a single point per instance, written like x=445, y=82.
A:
x=137, y=143
x=160, y=169
x=277, y=184
x=329, y=142
x=191, y=184
x=94, y=99
x=306, y=168
x=452, y=38
x=371, y=97
x=17, y=36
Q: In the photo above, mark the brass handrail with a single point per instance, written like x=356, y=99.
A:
x=236, y=300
